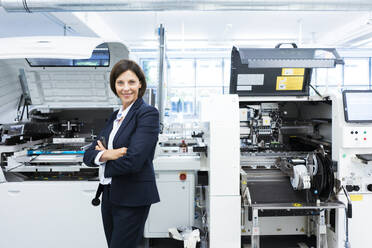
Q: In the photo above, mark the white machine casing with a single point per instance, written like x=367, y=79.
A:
x=222, y=115
x=352, y=139
x=47, y=212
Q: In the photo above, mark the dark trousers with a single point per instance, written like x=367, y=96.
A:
x=123, y=226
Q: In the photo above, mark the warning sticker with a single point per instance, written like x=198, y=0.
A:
x=293, y=71
x=250, y=79
x=356, y=197
x=244, y=87
x=289, y=83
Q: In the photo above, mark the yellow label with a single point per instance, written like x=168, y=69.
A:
x=289, y=83
x=293, y=71
x=297, y=205
x=356, y=197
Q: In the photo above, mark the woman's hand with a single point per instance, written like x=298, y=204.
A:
x=99, y=146
x=110, y=154
x=113, y=154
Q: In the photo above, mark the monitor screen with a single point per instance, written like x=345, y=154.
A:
x=358, y=105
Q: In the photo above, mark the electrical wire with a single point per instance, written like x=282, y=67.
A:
x=316, y=91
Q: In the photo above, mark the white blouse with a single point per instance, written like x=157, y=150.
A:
x=117, y=122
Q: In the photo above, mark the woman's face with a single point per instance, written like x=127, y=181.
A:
x=127, y=86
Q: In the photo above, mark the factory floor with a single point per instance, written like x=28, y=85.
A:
x=162, y=243
x=265, y=242
x=284, y=241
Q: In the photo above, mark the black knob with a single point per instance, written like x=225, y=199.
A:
x=96, y=202
x=356, y=188
x=369, y=187
x=349, y=188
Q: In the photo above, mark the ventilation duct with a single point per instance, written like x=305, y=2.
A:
x=161, y=5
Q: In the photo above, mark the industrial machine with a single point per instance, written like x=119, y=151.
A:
x=297, y=163
x=287, y=171
x=267, y=161
x=352, y=130
x=50, y=112
x=289, y=144
x=176, y=166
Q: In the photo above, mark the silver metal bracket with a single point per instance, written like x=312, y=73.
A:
x=255, y=234
x=321, y=234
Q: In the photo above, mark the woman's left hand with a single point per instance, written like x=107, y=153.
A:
x=100, y=147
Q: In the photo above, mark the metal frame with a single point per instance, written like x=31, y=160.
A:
x=321, y=232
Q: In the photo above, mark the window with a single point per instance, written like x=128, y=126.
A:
x=181, y=89
x=330, y=76
x=188, y=81
x=353, y=87
x=205, y=92
x=100, y=58
x=209, y=72
x=356, y=71
x=355, y=74
x=226, y=75
x=191, y=79
x=150, y=68
x=180, y=103
x=181, y=72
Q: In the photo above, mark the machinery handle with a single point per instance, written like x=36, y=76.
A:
x=349, y=210
x=293, y=45
x=13, y=191
x=96, y=201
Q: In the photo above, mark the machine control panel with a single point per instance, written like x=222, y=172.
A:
x=357, y=137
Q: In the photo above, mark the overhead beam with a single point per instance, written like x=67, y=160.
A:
x=162, y=5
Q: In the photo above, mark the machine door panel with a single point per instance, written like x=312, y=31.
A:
x=360, y=233
x=50, y=214
x=175, y=208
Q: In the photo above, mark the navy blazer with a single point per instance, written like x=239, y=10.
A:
x=133, y=179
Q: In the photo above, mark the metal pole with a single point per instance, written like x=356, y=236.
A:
x=160, y=90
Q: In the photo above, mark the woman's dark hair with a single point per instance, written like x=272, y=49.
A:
x=123, y=66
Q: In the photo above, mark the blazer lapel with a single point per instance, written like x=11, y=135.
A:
x=128, y=117
x=107, y=134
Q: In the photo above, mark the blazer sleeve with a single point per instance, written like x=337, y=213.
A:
x=141, y=146
x=91, y=153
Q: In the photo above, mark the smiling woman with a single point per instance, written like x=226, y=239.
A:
x=127, y=66
x=127, y=86
x=126, y=168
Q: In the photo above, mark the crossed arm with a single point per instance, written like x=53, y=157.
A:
x=141, y=146
x=129, y=159
x=110, y=154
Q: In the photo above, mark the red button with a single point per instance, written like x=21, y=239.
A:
x=365, y=138
x=183, y=176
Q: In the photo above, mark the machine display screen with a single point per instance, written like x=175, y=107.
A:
x=358, y=105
